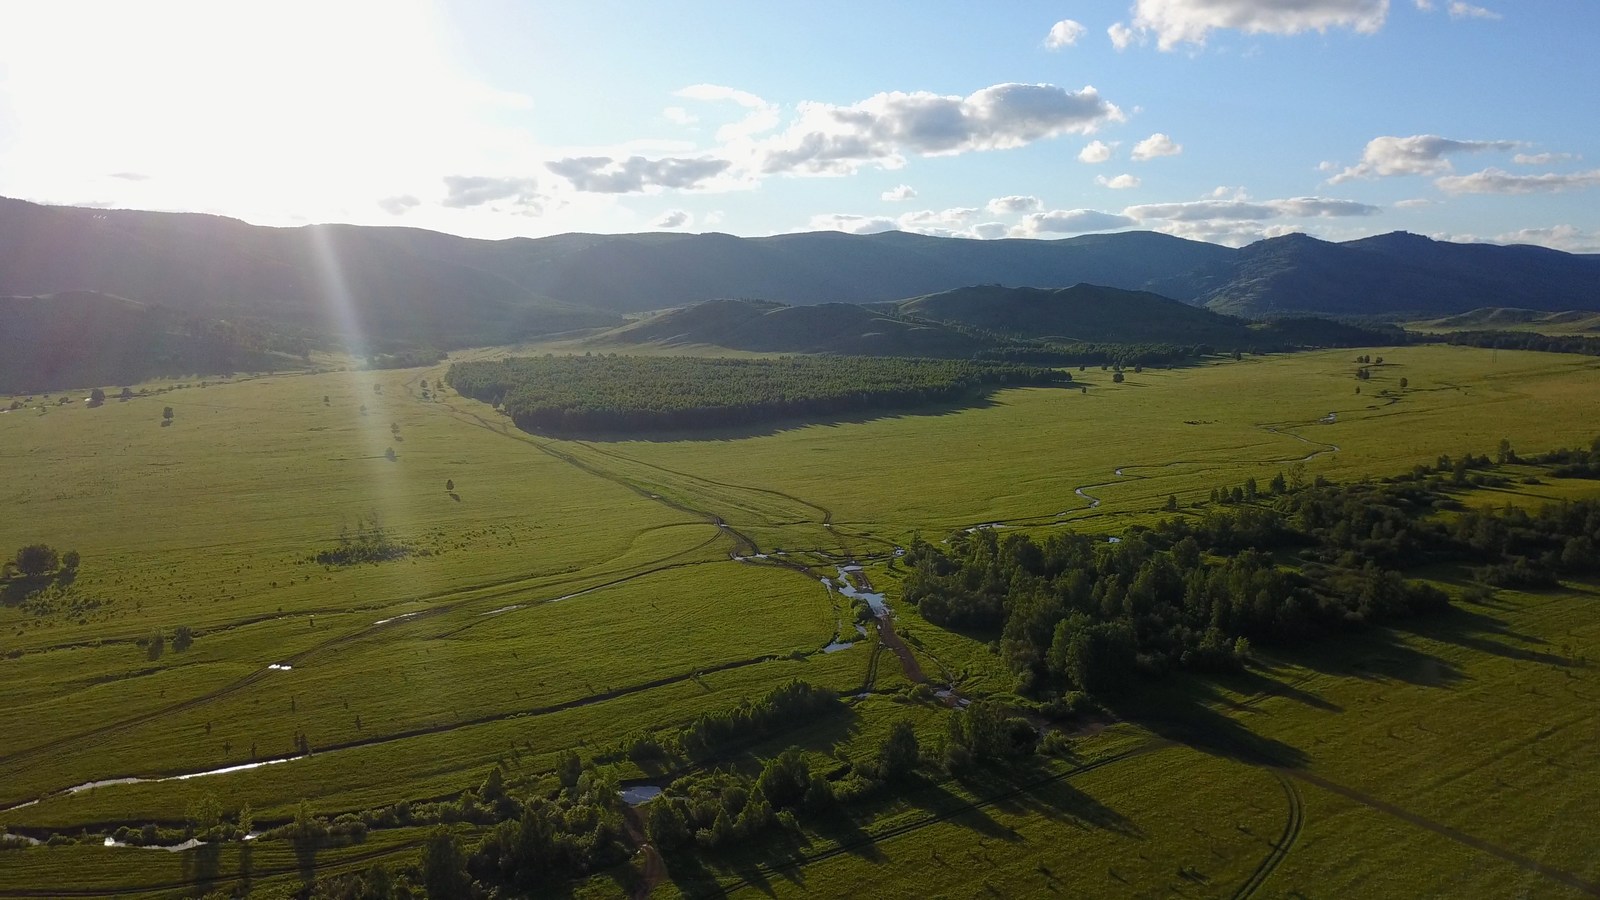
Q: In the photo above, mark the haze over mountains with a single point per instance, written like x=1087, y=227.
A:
x=410, y=286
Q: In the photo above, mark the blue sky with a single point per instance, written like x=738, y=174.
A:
x=1222, y=120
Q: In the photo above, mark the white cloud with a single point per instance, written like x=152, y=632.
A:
x=852, y=224
x=1413, y=203
x=1419, y=154
x=673, y=218
x=1460, y=10
x=605, y=175
x=1425, y=5
x=1542, y=159
x=1121, y=182
x=1247, y=210
x=398, y=205
x=677, y=115
x=1557, y=237
x=1123, y=37
x=833, y=140
x=1095, y=152
x=763, y=116
x=1155, y=145
x=1499, y=181
x=1064, y=33
x=466, y=191
x=899, y=193
x=1071, y=221
x=1175, y=22
x=1013, y=204
x=952, y=222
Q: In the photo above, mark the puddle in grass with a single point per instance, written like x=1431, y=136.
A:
x=639, y=793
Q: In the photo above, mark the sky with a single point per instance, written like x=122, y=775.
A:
x=1219, y=120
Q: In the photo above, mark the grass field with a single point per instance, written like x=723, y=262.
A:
x=567, y=593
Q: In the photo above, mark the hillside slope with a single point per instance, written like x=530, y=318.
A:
x=760, y=326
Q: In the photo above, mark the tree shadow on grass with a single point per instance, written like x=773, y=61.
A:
x=1376, y=653
x=1478, y=631
x=1187, y=717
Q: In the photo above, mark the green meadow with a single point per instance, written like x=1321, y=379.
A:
x=551, y=595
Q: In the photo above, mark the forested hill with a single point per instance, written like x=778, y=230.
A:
x=82, y=339
x=839, y=328
x=1391, y=274
x=1084, y=312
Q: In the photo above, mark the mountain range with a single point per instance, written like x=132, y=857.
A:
x=378, y=288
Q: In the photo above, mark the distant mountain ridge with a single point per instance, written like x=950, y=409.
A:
x=407, y=284
x=1031, y=324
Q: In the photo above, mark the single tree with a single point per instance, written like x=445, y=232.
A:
x=155, y=644
x=1116, y=378
x=389, y=454
x=70, y=560
x=182, y=638
x=449, y=484
x=127, y=394
x=1172, y=502
x=97, y=397
x=900, y=752
x=167, y=414
x=37, y=559
x=1405, y=383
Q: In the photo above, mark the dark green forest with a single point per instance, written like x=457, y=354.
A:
x=634, y=393
x=1279, y=566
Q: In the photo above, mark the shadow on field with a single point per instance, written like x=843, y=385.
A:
x=1480, y=631
x=1190, y=716
x=1380, y=653
x=202, y=866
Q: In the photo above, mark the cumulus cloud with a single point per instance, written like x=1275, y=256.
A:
x=1557, y=237
x=1095, y=152
x=1243, y=210
x=1542, y=159
x=1175, y=22
x=1499, y=181
x=1072, y=221
x=1419, y=154
x=954, y=222
x=1156, y=145
x=762, y=116
x=1064, y=33
x=1119, y=183
x=899, y=192
x=398, y=205
x=831, y=140
x=1412, y=203
x=852, y=224
x=464, y=191
x=1014, y=204
x=672, y=218
x=677, y=115
x=1460, y=10
x=606, y=175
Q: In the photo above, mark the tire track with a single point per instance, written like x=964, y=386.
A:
x=1286, y=841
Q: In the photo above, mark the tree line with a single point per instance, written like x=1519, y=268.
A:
x=1075, y=612
x=633, y=393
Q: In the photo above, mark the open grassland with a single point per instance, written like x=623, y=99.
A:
x=565, y=594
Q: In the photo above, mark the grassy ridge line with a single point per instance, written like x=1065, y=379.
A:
x=726, y=887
